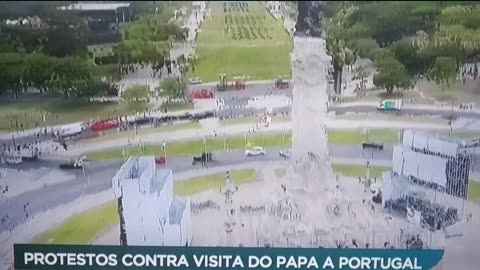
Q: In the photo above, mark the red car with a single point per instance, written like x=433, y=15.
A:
x=159, y=160
x=202, y=94
x=104, y=125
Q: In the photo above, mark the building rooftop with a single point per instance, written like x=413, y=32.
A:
x=176, y=211
x=94, y=6
x=158, y=182
x=142, y=170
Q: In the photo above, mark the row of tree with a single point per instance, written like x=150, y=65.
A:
x=404, y=39
x=55, y=59
x=67, y=76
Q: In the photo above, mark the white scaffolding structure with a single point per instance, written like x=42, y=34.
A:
x=429, y=180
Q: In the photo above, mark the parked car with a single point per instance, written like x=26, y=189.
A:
x=256, y=151
x=195, y=80
x=201, y=94
x=378, y=146
x=285, y=153
x=203, y=158
x=104, y=125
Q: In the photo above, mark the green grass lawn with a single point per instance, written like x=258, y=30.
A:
x=347, y=170
x=85, y=227
x=254, y=44
x=194, y=147
x=357, y=137
x=82, y=228
x=463, y=134
x=59, y=111
x=137, y=91
x=143, y=131
x=359, y=171
x=214, y=181
x=474, y=191
x=177, y=106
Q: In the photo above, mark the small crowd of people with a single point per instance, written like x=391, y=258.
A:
x=35, y=148
x=7, y=223
x=467, y=106
x=469, y=71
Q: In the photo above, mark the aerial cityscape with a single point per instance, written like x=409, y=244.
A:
x=339, y=124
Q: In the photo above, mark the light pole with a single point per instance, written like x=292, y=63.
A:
x=164, y=146
x=205, y=153
x=245, y=143
x=224, y=141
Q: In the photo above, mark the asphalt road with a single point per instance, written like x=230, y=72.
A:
x=237, y=100
x=243, y=112
x=101, y=173
x=236, y=106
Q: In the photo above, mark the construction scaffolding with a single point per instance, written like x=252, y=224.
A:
x=429, y=181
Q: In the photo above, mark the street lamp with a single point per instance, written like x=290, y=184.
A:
x=204, y=162
x=245, y=143
x=164, y=147
x=224, y=141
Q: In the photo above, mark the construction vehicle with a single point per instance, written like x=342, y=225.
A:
x=222, y=85
x=203, y=158
x=239, y=83
x=390, y=105
x=281, y=83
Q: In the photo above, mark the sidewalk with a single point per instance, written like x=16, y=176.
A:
x=192, y=134
x=252, y=82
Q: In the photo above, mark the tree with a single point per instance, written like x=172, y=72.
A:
x=391, y=74
x=443, y=72
x=363, y=47
x=12, y=70
x=174, y=88
x=91, y=88
x=66, y=35
x=136, y=93
x=338, y=43
x=15, y=9
x=416, y=62
x=390, y=21
x=38, y=70
x=70, y=74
